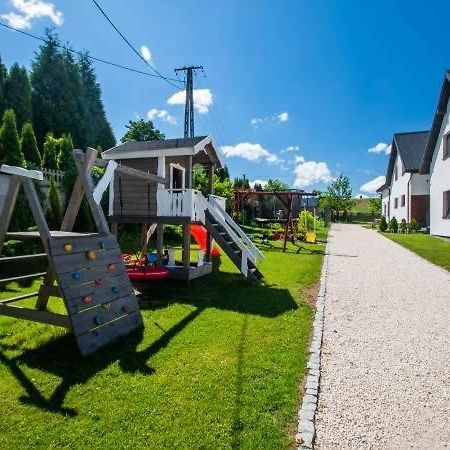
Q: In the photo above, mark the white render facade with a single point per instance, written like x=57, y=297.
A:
x=440, y=181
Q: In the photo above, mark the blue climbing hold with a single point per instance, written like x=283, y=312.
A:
x=76, y=276
x=97, y=320
x=115, y=289
x=102, y=245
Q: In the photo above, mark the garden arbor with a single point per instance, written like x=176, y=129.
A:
x=307, y=199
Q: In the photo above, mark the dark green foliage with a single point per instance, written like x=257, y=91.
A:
x=375, y=206
x=57, y=93
x=241, y=183
x=3, y=73
x=258, y=187
x=97, y=130
x=276, y=185
x=10, y=152
x=29, y=147
x=223, y=173
x=383, y=224
x=17, y=92
x=403, y=226
x=50, y=158
x=393, y=225
x=140, y=130
x=54, y=205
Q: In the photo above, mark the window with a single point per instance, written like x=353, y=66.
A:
x=403, y=200
x=396, y=202
x=396, y=173
x=384, y=210
x=446, y=151
x=446, y=204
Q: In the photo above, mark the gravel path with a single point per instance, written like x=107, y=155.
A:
x=385, y=373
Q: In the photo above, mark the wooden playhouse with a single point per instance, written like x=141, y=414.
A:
x=175, y=202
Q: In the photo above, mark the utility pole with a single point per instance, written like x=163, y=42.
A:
x=189, y=105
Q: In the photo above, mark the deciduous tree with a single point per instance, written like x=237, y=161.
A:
x=140, y=130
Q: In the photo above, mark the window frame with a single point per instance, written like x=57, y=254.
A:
x=446, y=146
x=403, y=200
x=395, y=202
x=446, y=205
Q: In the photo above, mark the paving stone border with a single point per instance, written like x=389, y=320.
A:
x=306, y=416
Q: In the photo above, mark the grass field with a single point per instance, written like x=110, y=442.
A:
x=429, y=247
x=218, y=365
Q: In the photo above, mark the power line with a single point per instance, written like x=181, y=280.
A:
x=93, y=58
x=168, y=80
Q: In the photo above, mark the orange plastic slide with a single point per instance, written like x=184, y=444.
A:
x=198, y=232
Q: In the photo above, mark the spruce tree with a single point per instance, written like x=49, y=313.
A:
x=17, y=92
x=29, y=147
x=3, y=73
x=10, y=152
x=51, y=153
x=97, y=130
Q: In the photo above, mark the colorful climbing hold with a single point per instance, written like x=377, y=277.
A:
x=102, y=245
x=76, y=276
x=126, y=309
x=115, y=289
x=98, y=282
x=97, y=320
x=106, y=306
x=68, y=247
x=87, y=299
x=111, y=267
x=91, y=255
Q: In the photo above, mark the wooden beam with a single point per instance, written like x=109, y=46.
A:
x=8, y=205
x=23, y=258
x=21, y=172
x=77, y=195
x=160, y=239
x=186, y=246
x=22, y=277
x=19, y=297
x=58, y=320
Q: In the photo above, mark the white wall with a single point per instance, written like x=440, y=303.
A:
x=399, y=187
x=385, y=203
x=439, y=182
x=420, y=184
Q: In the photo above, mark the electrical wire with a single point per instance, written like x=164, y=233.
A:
x=87, y=55
x=168, y=80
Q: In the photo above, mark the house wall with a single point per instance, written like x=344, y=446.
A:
x=385, y=204
x=439, y=182
x=399, y=187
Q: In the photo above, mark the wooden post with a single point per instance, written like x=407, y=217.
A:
x=188, y=175
x=114, y=229
x=8, y=205
x=186, y=246
x=144, y=242
x=160, y=239
x=288, y=221
x=208, y=247
x=211, y=178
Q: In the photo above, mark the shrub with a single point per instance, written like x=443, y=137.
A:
x=305, y=221
x=393, y=225
x=383, y=226
x=403, y=226
x=54, y=201
x=414, y=225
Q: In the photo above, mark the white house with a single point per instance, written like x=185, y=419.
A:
x=436, y=163
x=405, y=194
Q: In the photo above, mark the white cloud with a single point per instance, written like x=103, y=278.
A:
x=203, y=99
x=372, y=186
x=28, y=10
x=359, y=196
x=381, y=147
x=251, y=152
x=291, y=148
x=283, y=117
x=257, y=121
x=161, y=114
x=308, y=173
x=146, y=53
x=263, y=183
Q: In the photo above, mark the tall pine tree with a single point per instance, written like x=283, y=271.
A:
x=97, y=130
x=29, y=147
x=3, y=74
x=56, y=85
x=10, y=152
x=17, y=93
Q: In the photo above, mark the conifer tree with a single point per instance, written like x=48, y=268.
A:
x=29, y=147
x=3, y=74
x=50, y=156
x=54, y=202
x=10, y=152
x=17, y=93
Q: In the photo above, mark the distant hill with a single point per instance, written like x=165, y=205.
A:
x=361, y=211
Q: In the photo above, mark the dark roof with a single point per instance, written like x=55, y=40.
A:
x=133, y=146
x=441, y=110
x=410, y=147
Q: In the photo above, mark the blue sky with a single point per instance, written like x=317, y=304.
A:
x=327, y=80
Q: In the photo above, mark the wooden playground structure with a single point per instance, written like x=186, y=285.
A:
x=87, y=267
x=286, y=198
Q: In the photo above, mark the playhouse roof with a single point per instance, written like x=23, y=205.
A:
x=201, y=147
x=410, y=147
x=441, y=110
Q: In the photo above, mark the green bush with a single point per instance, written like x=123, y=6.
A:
x=305, y=221
x=393, y=225
x=54, y=201
x=414, y=225
x=403, y=226
x=383, y=226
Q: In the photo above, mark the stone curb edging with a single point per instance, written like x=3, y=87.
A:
x=306, y=416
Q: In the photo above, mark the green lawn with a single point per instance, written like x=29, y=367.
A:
x=218, y=365
x=429, y=247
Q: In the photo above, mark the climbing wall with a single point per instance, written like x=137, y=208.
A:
x=98, y=295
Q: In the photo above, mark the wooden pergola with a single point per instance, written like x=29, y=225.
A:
x=286, y=197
